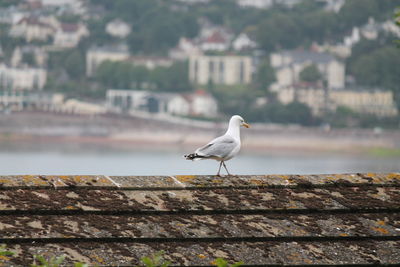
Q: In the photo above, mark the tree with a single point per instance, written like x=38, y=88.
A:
x=310, y=74
x=75, y=64
x=265, y=76
x=278, y=31
x=380, y=68
x=173, y=79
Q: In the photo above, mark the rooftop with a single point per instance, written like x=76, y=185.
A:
x=266, y=219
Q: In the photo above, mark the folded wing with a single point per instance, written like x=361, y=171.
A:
x=220, y=147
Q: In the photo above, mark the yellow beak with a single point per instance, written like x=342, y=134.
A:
x=246, y=125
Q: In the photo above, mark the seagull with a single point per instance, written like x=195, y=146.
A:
x=222, y=148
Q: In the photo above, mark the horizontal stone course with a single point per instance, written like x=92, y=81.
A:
x=264, y=219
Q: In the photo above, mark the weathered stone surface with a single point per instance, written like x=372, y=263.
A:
x=272, y=219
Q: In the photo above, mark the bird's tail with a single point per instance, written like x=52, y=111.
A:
x=193, y=156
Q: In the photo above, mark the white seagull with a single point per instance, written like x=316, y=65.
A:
x=222, y=148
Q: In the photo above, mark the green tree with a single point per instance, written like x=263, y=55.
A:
x=173, y=79
x=265, y=76
x=29, y=58
x=273, y=32
x=74, y=64
x=379, y=69
x=310, y=74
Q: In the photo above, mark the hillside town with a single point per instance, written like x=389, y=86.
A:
x=72, y=56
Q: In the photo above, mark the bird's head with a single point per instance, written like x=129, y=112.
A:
x=239, y=121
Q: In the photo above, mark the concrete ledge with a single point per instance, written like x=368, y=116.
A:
x=265, y=219
x=183, y=181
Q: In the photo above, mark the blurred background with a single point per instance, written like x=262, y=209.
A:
x=126, y=87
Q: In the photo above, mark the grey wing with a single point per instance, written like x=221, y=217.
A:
x=219, y=147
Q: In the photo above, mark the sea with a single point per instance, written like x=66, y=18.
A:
x=22, y=157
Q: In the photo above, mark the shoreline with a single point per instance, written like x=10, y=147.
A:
x=157, y=145
x=121, y=131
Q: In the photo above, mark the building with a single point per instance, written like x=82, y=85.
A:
x=75, y=106
x=289, y=64
x=333, y=5
x=96, y=55
x=371, y=30
x=184, y=49
x=315, y=98
x=255, y=3
x=266, y=3
x=32, y=28
x=376, y=102
x=22, y=78
x=150, y=62
x=11, y=15
x=199, y=103
x=68, y=35
x=126, y=101
x=243, y=42
x=227, y=70
x=118, y=28
x=216, y=41
x=18, y=101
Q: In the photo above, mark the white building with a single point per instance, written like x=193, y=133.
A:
x=333, y=5
x=69, y=35
x=266, y=3
x=118, y=28
x=289, y=64
x=199, y=103
x=32, y=28
x=243, y=42
x=202, y=104
x=75, y=106
x=96, y=55
x=228, y=70
x=150, y=62
x=216, y=41
x=17, y=101
x=184, y=49
x=377, y=102
x=11, y=15
x=22, y=78
x=353, y=38
x=255, y=3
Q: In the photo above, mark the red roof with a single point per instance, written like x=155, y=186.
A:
x=68, y=27
x=31, y=20
x=216, y=37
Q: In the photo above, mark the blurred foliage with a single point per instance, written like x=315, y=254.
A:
x=43, y=262
x=379, y=68
x=155, y=260
x=265, y=76
x=220, y=262
x=345, y=117
x=128, y=76
x=4, y=251
x=7, y=3
x=156, y=25
x=310, y=74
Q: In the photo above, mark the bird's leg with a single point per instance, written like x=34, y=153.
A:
x=220, y=164
x=226, y=168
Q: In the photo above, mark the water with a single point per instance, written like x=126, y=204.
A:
x=71, y=158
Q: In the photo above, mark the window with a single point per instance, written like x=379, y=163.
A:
x=221, y=71
x=196, y=69
x=241, y=71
